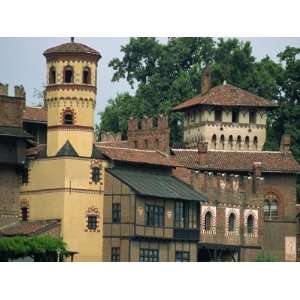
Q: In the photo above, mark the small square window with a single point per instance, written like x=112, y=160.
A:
x=182, y=256
x=92, y=222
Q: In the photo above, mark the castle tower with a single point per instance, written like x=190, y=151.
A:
x=70, y=97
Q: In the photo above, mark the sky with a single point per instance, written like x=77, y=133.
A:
x=22, y=62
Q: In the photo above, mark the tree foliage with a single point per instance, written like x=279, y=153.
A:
x=40, y=248
x=164, y=75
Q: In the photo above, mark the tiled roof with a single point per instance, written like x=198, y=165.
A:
x=150, y=157
x=72, y=48
x=154, y=185
x=29, y=228
x=35, y=114
x=226, y=95
x=237, y=160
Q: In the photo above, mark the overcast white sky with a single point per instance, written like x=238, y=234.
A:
x=22, y=62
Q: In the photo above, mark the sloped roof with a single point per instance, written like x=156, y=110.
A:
x=12, y=131
x=226, y=95
x=29, y=228
x=72, y=47
x=154, y=185
x=221, y=160
x=67, y=150
x=35, y=114
x=150, y=157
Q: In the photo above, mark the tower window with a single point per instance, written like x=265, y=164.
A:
x=52, y=75
x=239, y=142
x=255, y=142
x=247, y=142
x=68, y=74
x=92, y=222
x=86, y=75
x=96, y=174
x=222, y=141
x=231, y=222
x=24, y=212
x=68, y=118
x=218, y=115
x=230, y=142
x=214, y=141
x=235, y=116
x=252, y=117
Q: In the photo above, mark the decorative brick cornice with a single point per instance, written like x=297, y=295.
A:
x=71, y=127
x=71, y=86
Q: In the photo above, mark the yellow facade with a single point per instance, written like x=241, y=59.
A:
x=61, y=187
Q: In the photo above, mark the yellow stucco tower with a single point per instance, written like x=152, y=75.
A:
x=65, y=181
x=71, y=96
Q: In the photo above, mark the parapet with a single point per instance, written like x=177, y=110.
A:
x=145, y=123
x=3, y=89
x=18, y=89
x=111, y=137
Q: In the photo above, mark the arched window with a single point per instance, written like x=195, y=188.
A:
x=214, y=142
x=250, y=224
x=86, y=75
x=247, y=142
x=52, y=75
x=239, y=142
x=208, y=221
x=230, y=142
x=231, y=222
x=68, y=118
x=222, y=141
x=68, y=74
x=255, y=142
x=271, y=206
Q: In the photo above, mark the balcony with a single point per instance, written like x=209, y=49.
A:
x=186, y=234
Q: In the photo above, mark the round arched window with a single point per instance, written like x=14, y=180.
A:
x=68, y=118
x=68, y=74
x=214, y=141
x=208, y=221
x=271, y=206
x=52, y=75
x=250, y=224
x=231, y=222
x=86, y=75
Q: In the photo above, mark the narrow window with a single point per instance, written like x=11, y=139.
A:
x=149, y=255
x=250, y=224
x=255, y=142
x=92, y=222
x=68, y=75
x=182, y=256
x=222, y=141
x=247, y=143
x=214, y=142
x=230, y=142
x=274, y=209
x=68, y=118
x=239, y=142
x=231, y=222
x=135, y=144
x=86, y=75
x=115, y=254
x=24, y=211
x=52, y=75
x=116, y=212
x=235, y=116
x=218, y=115
x=96, y=174
x=146, y=144
x=252, y=117
x=208, y=221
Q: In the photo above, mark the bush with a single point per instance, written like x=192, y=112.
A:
x=40, y=248
x=266, y=257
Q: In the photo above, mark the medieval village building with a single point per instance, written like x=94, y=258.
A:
x=221, y=198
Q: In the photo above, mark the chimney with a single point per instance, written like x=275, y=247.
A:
x=202, y=153
x=3, y=89
x=205, y=80
x=285, y=143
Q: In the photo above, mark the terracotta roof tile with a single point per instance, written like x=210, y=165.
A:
x=29, y=228
x=150, y=157
x=35, y=114
x=72, y=48
x=238, y=160
x=226, y=95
